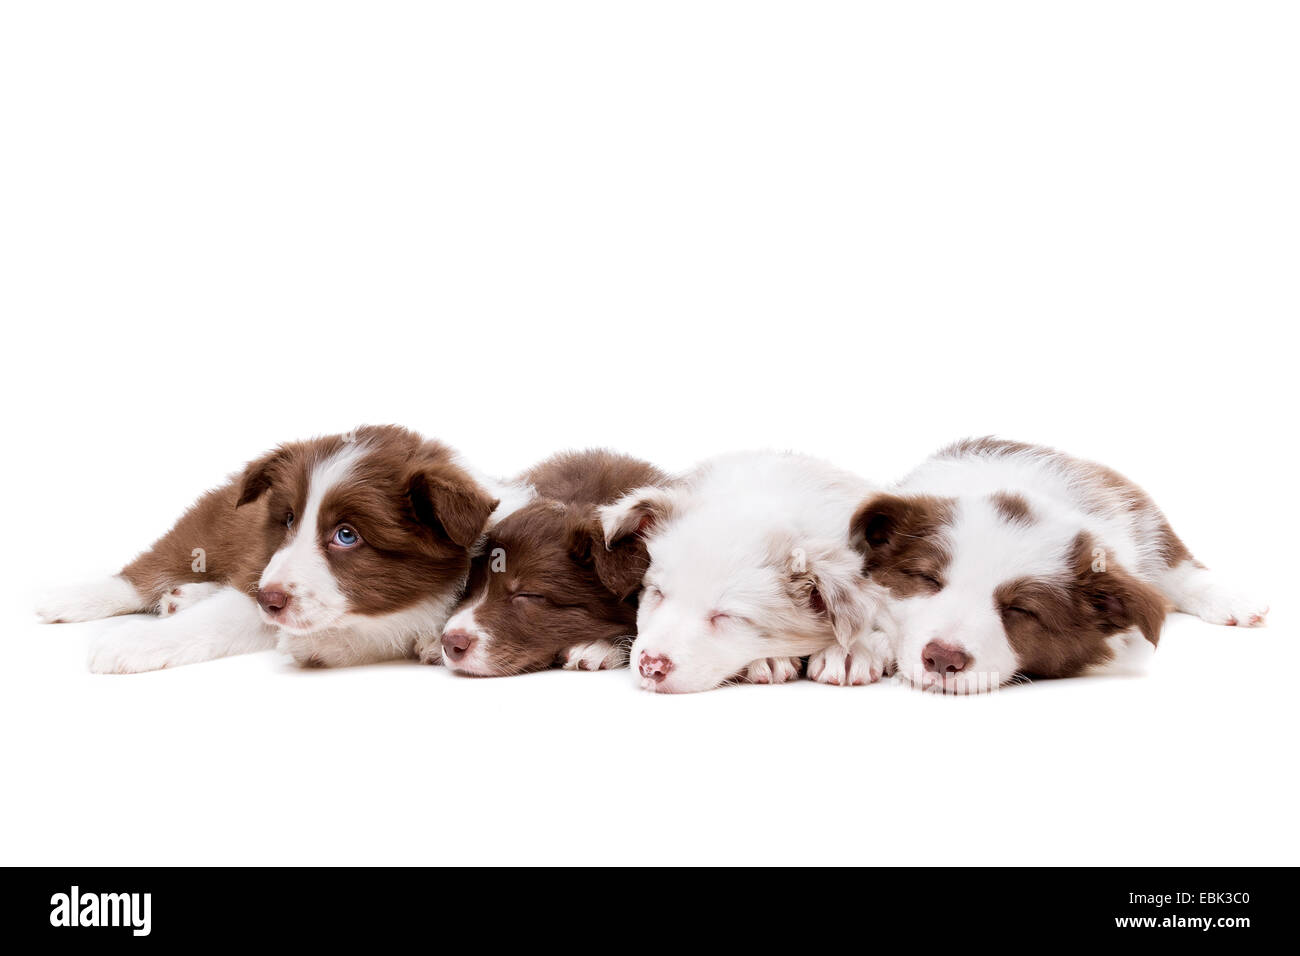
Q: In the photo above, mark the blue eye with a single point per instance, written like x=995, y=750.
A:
x=345, y=537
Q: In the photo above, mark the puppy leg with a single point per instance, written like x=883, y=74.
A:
x=106, y=597
x=186, y=595
x=220, y=625
x=597, y=656
x=866, y=659
x=1196, y=590
x=428, y=648
x=773, y=670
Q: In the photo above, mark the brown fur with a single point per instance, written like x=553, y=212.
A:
x=1110, y=486
x=561, y=587
x=1059, y=628
x=1013, y=507
x=417, y=512
x=899, y=539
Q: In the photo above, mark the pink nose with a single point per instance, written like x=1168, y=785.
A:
x=654, y=667
x=456, y=644
x=940, y=658
x=273, y=599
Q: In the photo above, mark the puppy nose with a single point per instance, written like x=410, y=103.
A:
x=456, y=644
x=942, y=658
x=272, y=599
x=654, y=667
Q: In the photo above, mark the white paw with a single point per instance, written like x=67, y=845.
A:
x=864, y=662
x=88, y=602
x=596, y=656
x=1221, y=606
x=127, y=649
x=773, y=670
x=428, y=648
x=185, y=595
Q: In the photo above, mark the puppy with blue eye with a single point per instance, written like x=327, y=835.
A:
x=340, y=550
x=545, y=591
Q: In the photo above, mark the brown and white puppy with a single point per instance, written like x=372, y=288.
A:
x=1003, y=559
x=342, y=550
x=546, y=590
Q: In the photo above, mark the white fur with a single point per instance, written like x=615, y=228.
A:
x=300, y=568
x=475, y=660
x=597, y=656
x=1198, y=591
x=864, y=661
x=773, y=670
x=90, y=601
x=222, y=624
x=186, y=595
x=1065, y=497
x=738, y=536
x=364, y=639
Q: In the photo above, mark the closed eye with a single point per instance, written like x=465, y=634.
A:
x=526, y=597
x=929, y=579
x=1024, y=612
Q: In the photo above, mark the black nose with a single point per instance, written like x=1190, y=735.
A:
x=273, y=600
x=456, y=644
x=944, y=658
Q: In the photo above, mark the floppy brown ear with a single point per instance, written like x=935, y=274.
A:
x=450, y=501
x=620, y=568
x=1116, y=599
x=883, y=519
x=636, y=512
x=257, y=477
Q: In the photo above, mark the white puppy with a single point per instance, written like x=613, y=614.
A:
x=750, y=566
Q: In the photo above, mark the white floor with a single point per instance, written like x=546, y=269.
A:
x=857, y=230
x=250, y=760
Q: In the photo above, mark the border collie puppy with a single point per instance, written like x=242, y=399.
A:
x=341, y=549
x=1003, y=559
x=750, y=565
x=545, y=590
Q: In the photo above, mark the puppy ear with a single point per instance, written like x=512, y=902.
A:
x=448, y=500
x=636, y=513
x=1116, y=599
x=257, y=476
x=883, y=519
x=829, y=581
x=620, y=567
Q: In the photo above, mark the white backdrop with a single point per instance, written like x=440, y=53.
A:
x=858, y=230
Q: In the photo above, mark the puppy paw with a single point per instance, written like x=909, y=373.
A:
x=864, y=662
x=185, y=595
x=127, y=650
x=596, y=656
x=428, y=648
x=1221, y=606
x=773, y=670
x=88, y=602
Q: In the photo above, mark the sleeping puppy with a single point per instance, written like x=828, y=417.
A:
x=341, y=550
x=1003, y=559
x=546, y=591
x=750, y=566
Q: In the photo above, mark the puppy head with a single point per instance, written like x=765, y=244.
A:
x=985, y=588
x=545, y=584
x=361, y=526
x=726, y=587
